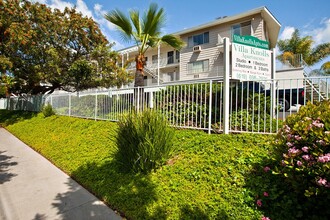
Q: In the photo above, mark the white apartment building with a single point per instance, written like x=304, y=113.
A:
x=202, y=56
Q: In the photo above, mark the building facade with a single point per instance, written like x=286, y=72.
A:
x=202, y=55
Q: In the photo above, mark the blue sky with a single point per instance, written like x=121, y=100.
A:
x=310, y=17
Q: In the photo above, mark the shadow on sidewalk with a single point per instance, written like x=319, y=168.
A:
x=75, y=204
x=5, y=163
x=131, y=194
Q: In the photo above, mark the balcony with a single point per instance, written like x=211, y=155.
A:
x=153, y=64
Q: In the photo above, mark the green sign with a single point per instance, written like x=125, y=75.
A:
x=251, y=41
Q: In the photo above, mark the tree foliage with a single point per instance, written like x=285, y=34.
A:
x=303, y=46
x=144, y=31
x=47, y=49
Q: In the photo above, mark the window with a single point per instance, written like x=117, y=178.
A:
x=236, y=29
x=173, y=76
x=241, y=29
x=145, y=61
x=154, y=59
x=198, y=39
x=154, y=80
x=170, y=58
x=198, y=66
x=177, y=56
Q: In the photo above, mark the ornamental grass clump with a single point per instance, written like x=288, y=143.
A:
x=145, y=141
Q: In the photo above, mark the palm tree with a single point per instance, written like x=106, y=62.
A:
x=325, y=68
x=303, y=46
x=145, y=31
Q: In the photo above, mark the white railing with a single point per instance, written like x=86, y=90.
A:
x=165, y=78
x=253, y=106
x=153, y=64
x=163, y=62
x=2, y=103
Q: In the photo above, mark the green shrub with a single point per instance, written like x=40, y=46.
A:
x=144, y=141
x=304, y=143
x=244, y=120
x=303, y=156
x=47, y=110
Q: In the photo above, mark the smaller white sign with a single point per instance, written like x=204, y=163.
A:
x=250, y=63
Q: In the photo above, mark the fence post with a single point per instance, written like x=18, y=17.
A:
x=273, y=87
x=138, y=99
x=95, y=105
x=210, y=108
x=69, y=104
x=226, y=85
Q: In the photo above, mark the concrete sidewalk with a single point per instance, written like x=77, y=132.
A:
x=33, y=188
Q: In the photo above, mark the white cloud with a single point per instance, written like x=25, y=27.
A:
x=97, y=14
x=61, y=5
x=321, y=34
x=82, y=7
x=41, y=1
x=286, y=33
x=98, y=10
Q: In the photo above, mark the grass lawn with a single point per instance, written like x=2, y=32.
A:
x=208, y=177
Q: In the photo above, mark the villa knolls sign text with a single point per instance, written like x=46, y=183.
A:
x=251, y=59
x=251, y=41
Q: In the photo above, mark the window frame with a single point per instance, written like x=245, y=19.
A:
x=241, y=25
x=204, y=63
x=154, y=59
x=194, y=40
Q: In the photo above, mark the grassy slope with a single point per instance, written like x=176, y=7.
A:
x=207, y=179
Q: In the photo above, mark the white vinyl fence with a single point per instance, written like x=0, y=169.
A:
x=258, y=107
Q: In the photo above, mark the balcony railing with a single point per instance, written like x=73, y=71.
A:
x=289, y=61
x=153, y=64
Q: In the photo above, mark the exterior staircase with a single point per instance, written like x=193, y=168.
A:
x=312, y=89
x=313, y=92
x=152, y=74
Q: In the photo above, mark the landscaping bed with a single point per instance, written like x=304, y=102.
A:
x=208, y=176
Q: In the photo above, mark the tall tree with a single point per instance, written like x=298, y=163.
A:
x=303, y=46
x=144, y=31
x=50, y=49
x=325, y=68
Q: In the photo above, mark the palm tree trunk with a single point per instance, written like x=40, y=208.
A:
x=139, y=75
x=139, y=82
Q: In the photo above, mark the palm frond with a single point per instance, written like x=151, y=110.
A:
x=153, y=20
x=326, y=67
x=173, y=41
x=122, y=22
x=320, y=52
x=135, y=18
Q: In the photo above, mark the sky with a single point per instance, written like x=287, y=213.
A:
x=312, y=18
